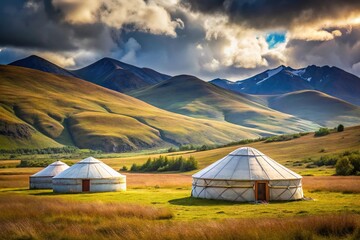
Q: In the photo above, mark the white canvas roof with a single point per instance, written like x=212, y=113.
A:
x=246, y=163
x=89, y=168
x=52, y=170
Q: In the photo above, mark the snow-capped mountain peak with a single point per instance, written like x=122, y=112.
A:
x=271, y=73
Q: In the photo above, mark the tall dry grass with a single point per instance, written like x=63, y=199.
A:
x=25, y=217
x=348, y=184
x=14, y=181
x=144, y=180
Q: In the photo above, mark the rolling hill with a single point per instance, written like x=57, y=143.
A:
x=39, y=109
x=38, y=63
x=330, y=80
x=317, y=107
x=191, y=96
x=119, y=76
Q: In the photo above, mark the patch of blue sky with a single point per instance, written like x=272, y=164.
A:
x=275, y=38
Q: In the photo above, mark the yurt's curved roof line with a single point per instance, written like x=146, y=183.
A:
x=89, y=160
x=211, y=166
x=263, y=168
x=288, y=170
x=237, y=164
x=246, y=164
x=223, y=167
x=52, y=169
x=89, y=168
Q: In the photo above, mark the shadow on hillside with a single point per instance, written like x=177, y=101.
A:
x=190, y=201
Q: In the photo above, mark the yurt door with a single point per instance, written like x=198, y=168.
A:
x=261, y=191
x=85, y=185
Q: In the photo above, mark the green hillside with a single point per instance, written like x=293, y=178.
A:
x=317, y=107
x=39, y=109
x=191, y=96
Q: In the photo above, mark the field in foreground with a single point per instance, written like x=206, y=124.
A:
x=159, y=206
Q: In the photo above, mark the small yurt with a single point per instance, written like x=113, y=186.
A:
x=89, y=175
x=43, y=179
x=247, y=175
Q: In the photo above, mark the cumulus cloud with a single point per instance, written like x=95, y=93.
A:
x=145, y=16
x=342, y=51
x=315, y=32
x=130, y=49
x=217, y=38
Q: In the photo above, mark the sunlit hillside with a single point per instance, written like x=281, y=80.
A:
x=40, y=110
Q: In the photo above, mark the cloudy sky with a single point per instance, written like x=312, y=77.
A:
x=207, y=38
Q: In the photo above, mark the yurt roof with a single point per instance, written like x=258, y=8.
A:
x=89, y=168
x=246, y=163
x=52, y=170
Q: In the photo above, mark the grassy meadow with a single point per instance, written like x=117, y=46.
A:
x=159, y=206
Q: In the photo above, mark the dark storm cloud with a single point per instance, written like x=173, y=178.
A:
x=40, y=26
x=274, y=13
x=169, y=55
x=343, y=52
x=30, y=28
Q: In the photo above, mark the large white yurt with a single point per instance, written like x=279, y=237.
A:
x=89, y=175
x=43, y=179
x=247, y=175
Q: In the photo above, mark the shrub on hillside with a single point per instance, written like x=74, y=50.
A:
x=171, y=149
x=326, y=160
x=344, y=167
x=38, y=163
x=322, y=132
x=124, y=168
x=162, y=164
x=49, y=150
x=340, y=128
x=287, y=137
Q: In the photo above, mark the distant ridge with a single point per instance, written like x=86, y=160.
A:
x=107, y=72
x=41, y=64
x=330, y=80
x=316, y=106
x=191, y=96
x=119, y=76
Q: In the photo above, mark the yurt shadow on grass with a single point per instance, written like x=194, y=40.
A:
x=247, y=175
x=191, y=201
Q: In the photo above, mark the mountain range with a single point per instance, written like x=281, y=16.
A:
x=193, y=97
x=106, y=72
x=39, y=109
x=45, y=105
x=330, y=80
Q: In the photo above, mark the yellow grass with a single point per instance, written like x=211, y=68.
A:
x=42, y=218
x=139, y=180
x=349, y=184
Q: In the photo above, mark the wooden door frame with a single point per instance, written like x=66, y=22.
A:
x=267, y=194
x=82, y=185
